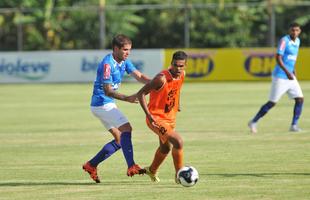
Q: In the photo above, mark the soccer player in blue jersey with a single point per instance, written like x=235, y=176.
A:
x=110, y=72
x=284, y=79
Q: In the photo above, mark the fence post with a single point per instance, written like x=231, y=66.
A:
x=102, y=23
x=271, y=23
x=187, y=10
x=19, y=27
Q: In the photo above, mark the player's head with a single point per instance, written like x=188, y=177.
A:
x=294, y=30
x=178, y=63
x=121, y=45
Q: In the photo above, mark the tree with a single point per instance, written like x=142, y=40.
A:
x=75, y=24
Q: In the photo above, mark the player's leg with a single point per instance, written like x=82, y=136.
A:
x=127, y=148
x=278, y=88
x=295, y=92
x=263, y=110
x=163, y=149
x=104, y=114
x=296, y=114
x=108, y=149
x=115, y=118
x=159, y=157
x=108, y=115
x=177, y=150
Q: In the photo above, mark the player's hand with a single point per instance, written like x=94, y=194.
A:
x=290, y=76
x=132, y=98
x=152, y=121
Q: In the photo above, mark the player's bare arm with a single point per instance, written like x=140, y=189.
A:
x=154, y=84
x=281, y=64
x=142, y=78
x=114, y=94
x=179, y=106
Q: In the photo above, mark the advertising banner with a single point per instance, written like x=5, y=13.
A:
x=68, y=66
x=236, y=64
x=233, y=64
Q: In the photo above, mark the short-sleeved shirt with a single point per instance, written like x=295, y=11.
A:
x=288, y=49
x=109, y=72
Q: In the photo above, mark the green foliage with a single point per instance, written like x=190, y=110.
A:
x=47, y=25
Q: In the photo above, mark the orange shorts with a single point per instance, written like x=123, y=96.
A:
x=165, y=129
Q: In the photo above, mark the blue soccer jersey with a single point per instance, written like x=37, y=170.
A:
x=288, y=49
x=109, y=72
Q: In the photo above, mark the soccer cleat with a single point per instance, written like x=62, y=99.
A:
x=295, y=128
x=135, y=169
x=154, y=177
x=92, y=171
x=177, y=181
x=253, y=126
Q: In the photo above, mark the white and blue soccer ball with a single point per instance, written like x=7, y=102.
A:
x=188, y=176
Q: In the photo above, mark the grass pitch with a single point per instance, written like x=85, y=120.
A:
x=47, y=132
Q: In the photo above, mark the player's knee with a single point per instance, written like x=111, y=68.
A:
x=165, y=149
x=125, y=128
x=299, y=100
x=178, y=143
x=271, y=104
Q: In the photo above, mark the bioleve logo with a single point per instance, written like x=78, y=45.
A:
x=90, y=65
x=24, y=69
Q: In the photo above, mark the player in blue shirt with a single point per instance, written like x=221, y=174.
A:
x=284, y=79
x=110, y=72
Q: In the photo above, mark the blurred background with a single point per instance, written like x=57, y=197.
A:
x=90, y=24
x=64, y=40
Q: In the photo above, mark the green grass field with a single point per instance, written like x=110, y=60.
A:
x=47, y=132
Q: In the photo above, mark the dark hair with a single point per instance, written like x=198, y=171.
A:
x=294, y=24
x=179, y=55
x=120, y=40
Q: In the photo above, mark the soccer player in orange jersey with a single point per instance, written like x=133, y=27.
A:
x=161, y=112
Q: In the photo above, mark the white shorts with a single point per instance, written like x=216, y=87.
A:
x=280, y=86
x=109, y=115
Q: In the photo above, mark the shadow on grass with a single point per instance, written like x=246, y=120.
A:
x=42, y=183
x=63, y=183
x=261, y=175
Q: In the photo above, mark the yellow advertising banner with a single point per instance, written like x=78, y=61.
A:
x=238, y=64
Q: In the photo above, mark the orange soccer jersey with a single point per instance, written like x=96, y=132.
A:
x=164, y=103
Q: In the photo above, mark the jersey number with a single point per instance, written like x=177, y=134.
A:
x=170, y=101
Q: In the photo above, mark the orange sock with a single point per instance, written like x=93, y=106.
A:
x=158, y=160
x=177, y=155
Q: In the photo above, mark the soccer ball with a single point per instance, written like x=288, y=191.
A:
x=188, y=176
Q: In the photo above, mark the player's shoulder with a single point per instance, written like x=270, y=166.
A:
x=127, y=61
x=129, y=64
x=158, y=81
x=285, y=38
x=159, y=78
x=107, y=61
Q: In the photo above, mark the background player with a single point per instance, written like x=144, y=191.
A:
x=109, y=76
x=161, y=112
x=284, y=78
